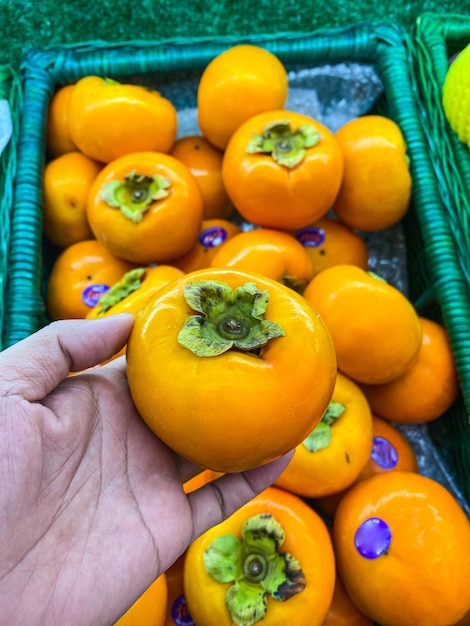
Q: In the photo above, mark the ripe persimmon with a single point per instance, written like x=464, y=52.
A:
x=242, y=373
x=271, y=562
x=213, y=234
x=80, y=275
x=375, y=329
x=204, y=161
x=402, y=546
x=145, y=207
x=331, y=458
x=272, y=253
x=391, y=452
x=108, y=119
x=58, y=138
x=343, y=611
x=427, y=388
x=66, y=183
x=282, y=169
x=375, y=189
x=329, y=242
x=237, y=84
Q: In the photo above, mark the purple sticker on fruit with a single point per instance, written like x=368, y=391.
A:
x=92, y=293
x=310, y=237
x=212, y=237
x=373, y=538
x=384, y=453
x=180, y=613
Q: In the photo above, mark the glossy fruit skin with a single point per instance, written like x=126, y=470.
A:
x=391, y=452
x=170, y=225
x=343, y=611
x=58, y=138
x=271, y=195
x=306, y=538
x=204, y=161
x=66, y=184
x=108, y=119
x=329, y=242
x=375, y=329
x=79, y=276
x=268, y=404
x=201, y=479
x=421, y=577
x=150, y=608
x=154, y=279
x=318, y=473
x=214, y=233
x=402, y=460
x=243, y=81
x=428, y=387
x=376, y=186
x=272, y=253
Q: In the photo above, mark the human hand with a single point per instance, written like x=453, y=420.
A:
x=92, y=507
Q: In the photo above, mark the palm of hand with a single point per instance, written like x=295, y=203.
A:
x=93, y=479
x=92, y=507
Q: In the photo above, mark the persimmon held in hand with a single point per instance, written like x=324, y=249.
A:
x=243, y=371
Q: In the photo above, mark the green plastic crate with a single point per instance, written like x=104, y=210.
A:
x=436, y=282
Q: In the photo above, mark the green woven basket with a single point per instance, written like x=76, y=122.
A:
x=437, y=39
x=10, y=105
x=435, y=279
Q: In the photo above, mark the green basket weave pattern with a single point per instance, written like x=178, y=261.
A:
x=437, y=39
x=10, y=99
x=434, y=273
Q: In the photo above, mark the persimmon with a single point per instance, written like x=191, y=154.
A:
x=376, y=186
x=282, y=170
x=58, y=138
x=375, y=329
x=66, y=184
x=343, y=611
x=391, y=452
x=269, y=252
x=108, y=119
x=80, y=275
x=131, y=292
x=427, y=388
x=213, y=234
x=238, y=83
x=201, y=479
x=402, y=543
x=204, y=161
x=243, y=371
x=329, y=242
x=331, y=458
x=145, y=208
x=271, y=562
x=150, y=608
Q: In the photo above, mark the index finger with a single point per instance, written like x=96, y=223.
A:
x=33, y=367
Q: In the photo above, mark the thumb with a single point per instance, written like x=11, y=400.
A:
x=36, y=365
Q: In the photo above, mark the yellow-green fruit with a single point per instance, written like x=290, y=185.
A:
x=456, y=95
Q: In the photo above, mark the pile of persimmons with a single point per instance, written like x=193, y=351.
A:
x=258, y=329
